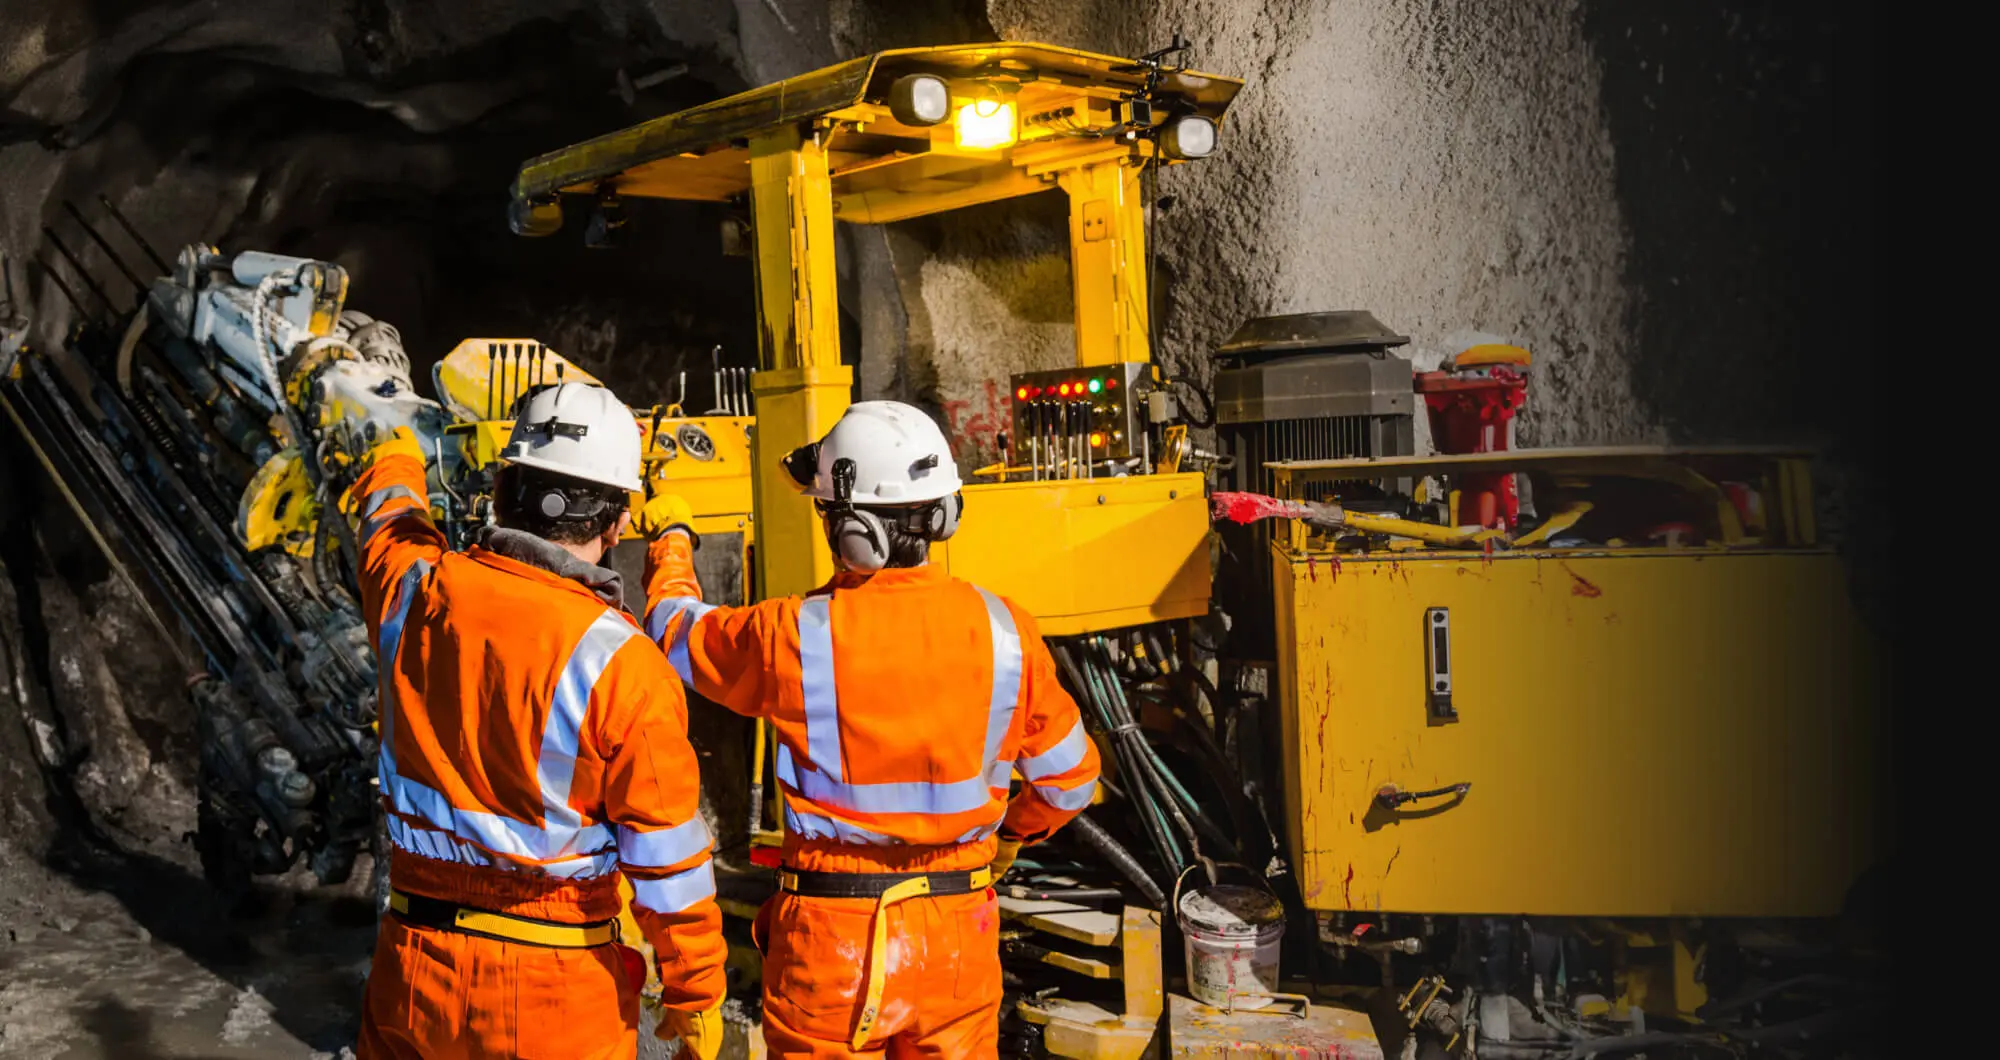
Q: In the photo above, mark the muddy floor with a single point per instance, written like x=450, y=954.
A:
x=147, y=963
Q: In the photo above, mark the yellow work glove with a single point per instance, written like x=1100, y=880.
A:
x=663, y=513
x=1003, y=859
x=401, y=442
x=700, y=1032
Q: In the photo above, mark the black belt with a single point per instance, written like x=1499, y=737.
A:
x=877, y=884
x=424, y=911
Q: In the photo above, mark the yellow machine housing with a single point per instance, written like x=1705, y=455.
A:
x=1645, y=731
x=704, y=459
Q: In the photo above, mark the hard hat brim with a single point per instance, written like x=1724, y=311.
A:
x=631, y=485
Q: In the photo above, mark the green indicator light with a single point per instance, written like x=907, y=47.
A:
x=1096, y=385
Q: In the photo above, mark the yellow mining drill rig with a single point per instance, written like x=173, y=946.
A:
x=1542, y=750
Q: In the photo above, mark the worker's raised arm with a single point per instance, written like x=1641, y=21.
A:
x=396, y=535
x=723, y=653
x=652, y=802
x=1057, y=760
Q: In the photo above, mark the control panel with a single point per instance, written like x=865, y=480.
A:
x=1082, y=422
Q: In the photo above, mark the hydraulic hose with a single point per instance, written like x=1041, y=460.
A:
x=1132, y=743
x=1150, y=822
x=1169, y=784
x=1120, y=858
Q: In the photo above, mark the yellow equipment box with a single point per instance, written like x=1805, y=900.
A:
x=1088, y=554
x=1645, y=732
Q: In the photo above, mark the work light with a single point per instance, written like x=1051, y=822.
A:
x=1189, y=136
x=920, y=99
x=984, y=124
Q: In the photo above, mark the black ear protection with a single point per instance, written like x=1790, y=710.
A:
x=861, y=536
x=553, y=502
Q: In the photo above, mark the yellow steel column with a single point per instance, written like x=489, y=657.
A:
x=801, y=387
x=1107, y=255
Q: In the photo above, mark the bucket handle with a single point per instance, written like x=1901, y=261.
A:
x=1302, y=1005
x=1211, y=866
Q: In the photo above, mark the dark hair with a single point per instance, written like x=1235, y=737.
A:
x=906, y=547
x=517, y=495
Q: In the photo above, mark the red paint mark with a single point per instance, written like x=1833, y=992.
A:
x=1333, y=567
x=976, y=435
x=1347, y=887
x=1312, y=569
x=1580, y=585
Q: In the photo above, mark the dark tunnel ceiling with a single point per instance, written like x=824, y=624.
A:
x=405, y=184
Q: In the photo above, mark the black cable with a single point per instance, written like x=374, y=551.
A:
x=1120, y=858
x=1138, y=796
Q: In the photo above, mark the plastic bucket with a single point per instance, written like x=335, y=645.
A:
x=1232, y=936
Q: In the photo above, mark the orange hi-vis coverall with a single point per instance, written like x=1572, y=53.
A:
x=533, y=747
x=904, y=702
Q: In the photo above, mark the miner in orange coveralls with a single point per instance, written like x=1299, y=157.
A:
x=905, y=701
x=533, y=747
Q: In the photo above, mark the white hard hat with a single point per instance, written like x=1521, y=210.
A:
x=579, y=430
x=899, y=457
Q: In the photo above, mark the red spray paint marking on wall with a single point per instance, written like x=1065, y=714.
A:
x=975, y=434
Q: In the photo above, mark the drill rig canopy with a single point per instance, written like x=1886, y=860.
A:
x=1070, y=108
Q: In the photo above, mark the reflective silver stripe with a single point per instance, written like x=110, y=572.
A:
x=816, y=675
x=676, y=893
x=913, y=796
x=388, y=640
x=667, y=846
x=374, y=526
x=813, y=826
x=1073, y=799
x=1006, y=674
x=563, y=731
x=502, y=835
x=677, y=652
x=435, y=845
x=440, y=846
x=374, y=501
x=1066, y=755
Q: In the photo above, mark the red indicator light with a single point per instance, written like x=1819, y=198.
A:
x=1111, y=384
x=1063, y=390
x=1096, y=440
x=1021, y=394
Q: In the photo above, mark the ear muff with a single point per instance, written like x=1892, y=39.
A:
x=552, y=504
x=859, y=539
x=944, y=517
